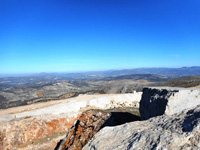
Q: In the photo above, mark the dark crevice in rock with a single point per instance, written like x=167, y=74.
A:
x=89, y=123
x=190, y=121
x=118, y=118
x=83, y=130
x=153, y=102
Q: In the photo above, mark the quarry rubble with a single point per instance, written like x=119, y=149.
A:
x=43, y=126
x=179, y=131
x=170, y=120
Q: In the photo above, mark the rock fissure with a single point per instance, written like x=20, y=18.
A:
x=89, y=126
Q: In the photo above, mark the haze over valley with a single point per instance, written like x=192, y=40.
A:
x=17, y=91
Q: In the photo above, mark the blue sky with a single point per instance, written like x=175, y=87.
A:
x=90, y=35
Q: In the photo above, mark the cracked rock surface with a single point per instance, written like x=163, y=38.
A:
x=157, y=101
x=166, y=132
x=83, y=130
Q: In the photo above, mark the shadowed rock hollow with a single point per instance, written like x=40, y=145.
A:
x=89, y=123
x=172, y=121
x=179, y=131
x=157, y=101
x=83, y=130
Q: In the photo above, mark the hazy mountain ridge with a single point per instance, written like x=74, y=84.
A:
x=16, y=91
x=148, y=77
x=44, y=79
x=170, y=72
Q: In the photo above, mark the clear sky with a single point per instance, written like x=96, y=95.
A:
x=90, y=35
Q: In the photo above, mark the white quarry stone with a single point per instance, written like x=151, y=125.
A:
x=122, y=100
x=73, y=107
x=166, y=100
x=179, y=131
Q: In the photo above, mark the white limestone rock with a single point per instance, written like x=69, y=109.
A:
x=120, y=100
x=157, y=101
x=73, y=107
x=178, y=131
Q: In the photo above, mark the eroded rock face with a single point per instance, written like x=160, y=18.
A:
x=83, y=130
x=34, y=132
x=42, y=127
x=166, y=132
x=157, y=101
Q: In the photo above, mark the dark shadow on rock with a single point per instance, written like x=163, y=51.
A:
x=58, y=144
x=118, y=118
x=190, y=121
x=89, y=123
x=153, y=103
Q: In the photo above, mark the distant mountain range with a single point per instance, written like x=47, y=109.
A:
x=23, y=90
x=169, y=72
x=147, y=77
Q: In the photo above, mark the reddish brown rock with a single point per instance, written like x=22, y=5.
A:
x=32, y=131
x=83, y=130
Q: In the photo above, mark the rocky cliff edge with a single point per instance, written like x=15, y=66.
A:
x=179, y=131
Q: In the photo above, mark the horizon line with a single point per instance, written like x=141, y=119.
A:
x=90, y=71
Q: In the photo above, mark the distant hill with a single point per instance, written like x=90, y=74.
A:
x=149, y=74
x=147, y=77
x=17, y=91
x=186, y=82
x=170, y=72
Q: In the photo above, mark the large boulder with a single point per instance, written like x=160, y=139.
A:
x=178, y=131
x=89, y=123
x=83, y=130
x=157, y=101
